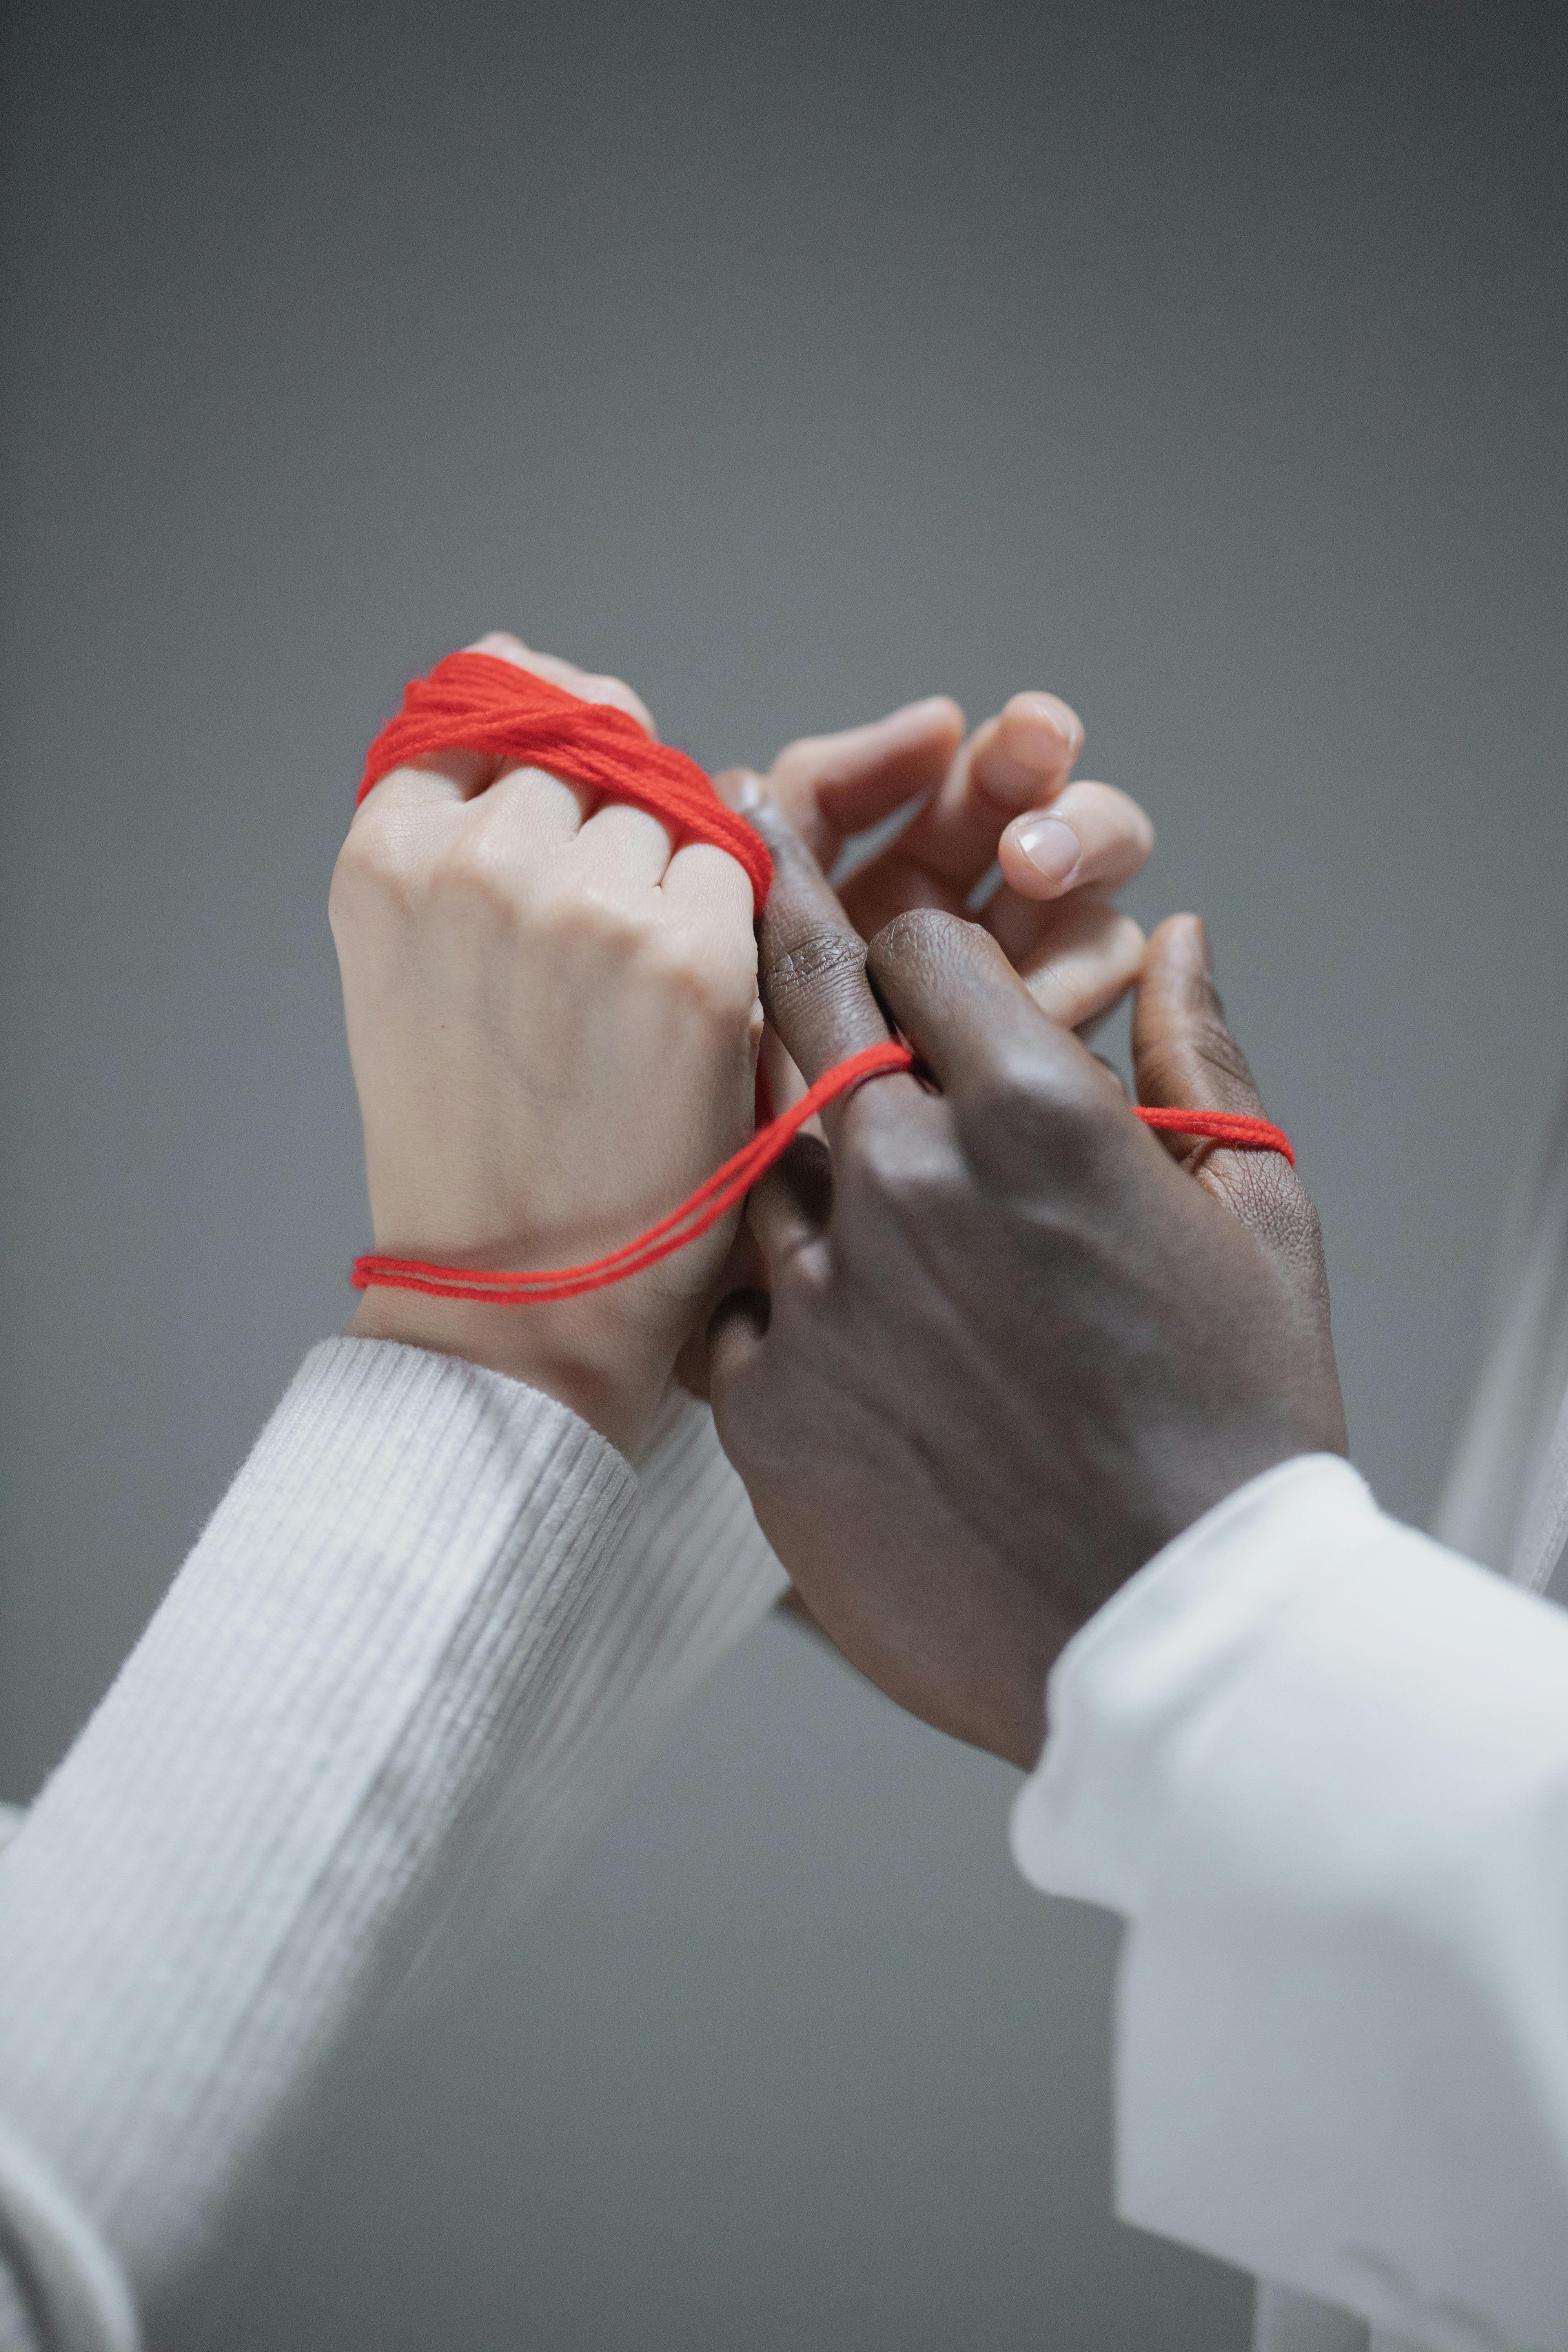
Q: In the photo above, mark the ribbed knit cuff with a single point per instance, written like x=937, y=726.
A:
x=242, y=1850
x=693, y=1577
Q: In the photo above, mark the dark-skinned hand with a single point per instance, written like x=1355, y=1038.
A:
x=1011, y=1345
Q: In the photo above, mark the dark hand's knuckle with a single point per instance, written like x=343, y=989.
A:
x=1024, y=1111
x=883, y=1178
x=918, y=930
x=1220, y=1052
x=815, y=963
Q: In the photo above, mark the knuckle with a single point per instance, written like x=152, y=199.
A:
x=476, y=873
x=891, y=1167
x=722, y=957
x=814, y=964
x=1047, y=1085
x=725, y=989
x=381, y=865
x=602, y=688
x=700, y=976
x=734, y=995
x=885, y=1188
x=1023, y=1111
x=1219, y=1051
x=924, y=929
x=1298, y=1229
x=619, y=930
x=1266, y=1196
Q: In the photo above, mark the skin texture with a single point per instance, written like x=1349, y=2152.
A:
x=552, y=1020
x=552, y=1012
x=981, y=796
x=1012, y=1345
x=970, y=796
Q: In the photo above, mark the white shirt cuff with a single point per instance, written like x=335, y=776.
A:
x=1321, y=1766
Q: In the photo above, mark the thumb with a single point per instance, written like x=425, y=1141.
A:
x=736, y=1336
x=1185, y=1057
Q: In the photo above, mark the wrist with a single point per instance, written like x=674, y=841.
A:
x=565, y=1351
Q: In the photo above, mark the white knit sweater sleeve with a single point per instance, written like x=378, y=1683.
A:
x=693, y=1577
x=243, y=1852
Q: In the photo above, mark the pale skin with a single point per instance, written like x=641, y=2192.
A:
x=552, y=1018
x=553, y=1008
x=1003, y=794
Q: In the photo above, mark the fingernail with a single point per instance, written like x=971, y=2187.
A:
x=1052, y=848
x=739, y=789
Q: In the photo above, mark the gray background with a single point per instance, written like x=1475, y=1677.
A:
x=1203, y=362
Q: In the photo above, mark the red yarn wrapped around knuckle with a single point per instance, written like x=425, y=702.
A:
x=617, y=695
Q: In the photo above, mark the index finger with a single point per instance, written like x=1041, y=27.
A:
x=811, y=959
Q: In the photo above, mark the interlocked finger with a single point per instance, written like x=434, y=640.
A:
x=812, y=974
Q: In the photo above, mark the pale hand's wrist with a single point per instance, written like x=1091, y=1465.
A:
x=566, y=1352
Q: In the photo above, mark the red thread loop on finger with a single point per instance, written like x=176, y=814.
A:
x=1227, y=1126
x=476, y=702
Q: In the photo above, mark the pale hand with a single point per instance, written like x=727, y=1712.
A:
x=552, y=1019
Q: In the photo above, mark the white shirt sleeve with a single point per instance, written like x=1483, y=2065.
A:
x=1320, y=1764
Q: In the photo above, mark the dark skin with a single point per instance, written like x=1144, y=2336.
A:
x=1011, y=1344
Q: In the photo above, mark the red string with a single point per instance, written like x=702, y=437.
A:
x=1226, y=1127
x=476, y=702
x=723, y=1189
